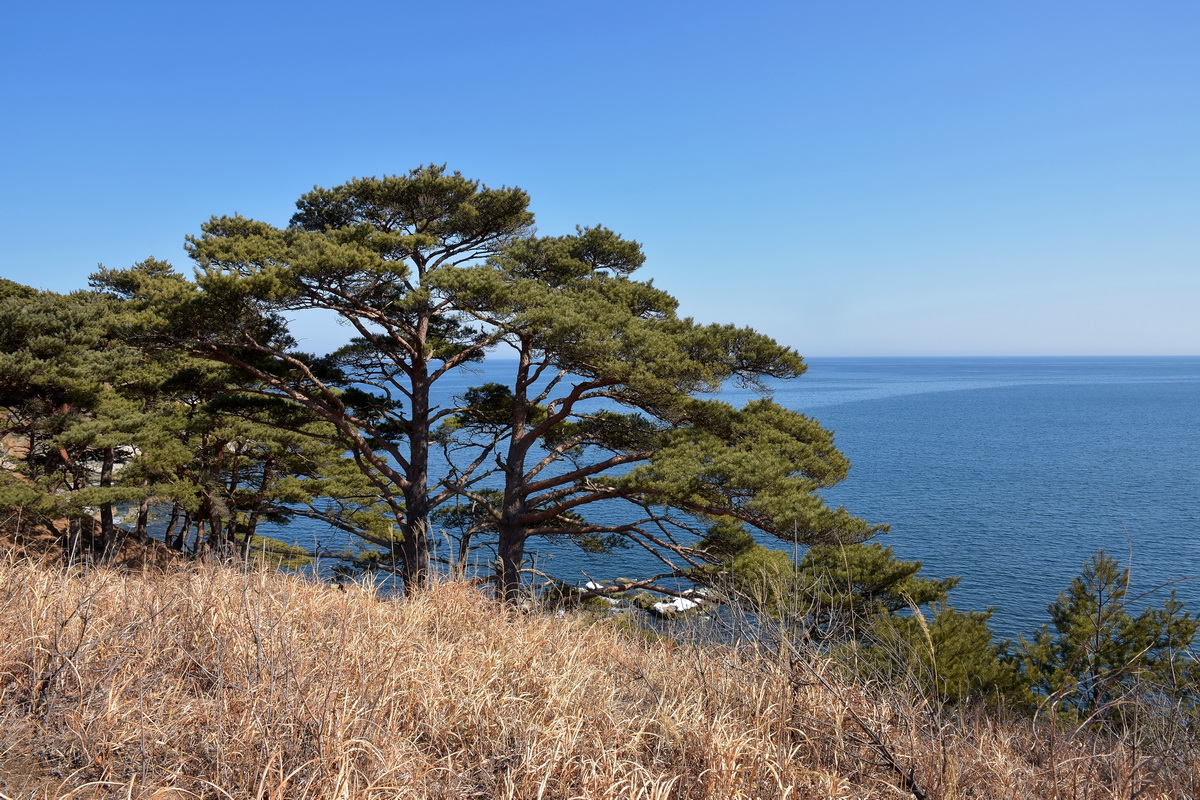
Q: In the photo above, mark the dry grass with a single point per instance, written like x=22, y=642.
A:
x=208, y=682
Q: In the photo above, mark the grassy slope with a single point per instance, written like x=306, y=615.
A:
x=209, y=682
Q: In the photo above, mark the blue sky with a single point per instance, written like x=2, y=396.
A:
x=853, y=178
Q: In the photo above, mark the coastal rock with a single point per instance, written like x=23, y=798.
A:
x=679, y=605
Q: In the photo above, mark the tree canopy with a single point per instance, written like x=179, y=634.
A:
x=606, y=399
x=603, y=405
x=1097, y=656
x=93, y=424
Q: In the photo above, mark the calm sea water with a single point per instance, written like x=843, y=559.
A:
x=1011, y=472
x=1007, y=472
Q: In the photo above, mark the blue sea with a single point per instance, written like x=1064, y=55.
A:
x=1006, y=472
x=1011, y=472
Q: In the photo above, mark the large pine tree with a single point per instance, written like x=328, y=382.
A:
x=431, y=271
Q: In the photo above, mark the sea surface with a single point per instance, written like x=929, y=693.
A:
x=1012, y=472
x=1007, y=472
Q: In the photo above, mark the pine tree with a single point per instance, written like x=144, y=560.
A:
x=834, y=593
x=432, y=271
x=222, y=453
x=949, y=655
x=1100, y=659
x=58, y=371
x=367, y=251
x=92, y=426
x=602, y=408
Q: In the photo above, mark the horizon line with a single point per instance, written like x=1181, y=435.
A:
x=971, y=355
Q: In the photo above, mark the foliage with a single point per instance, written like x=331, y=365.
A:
x=832, y=593
x=862, y=603
x=431, y=271
x=94, y=425
x=367, y=251
x=61, y=408
x=602, y=407
x=951, y=656
x=1100, y=660
x=868, y=579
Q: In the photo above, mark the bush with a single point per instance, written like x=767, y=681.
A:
x=1100, y=661
x=951, y=656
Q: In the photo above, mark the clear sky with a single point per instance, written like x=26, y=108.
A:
x=854, y=178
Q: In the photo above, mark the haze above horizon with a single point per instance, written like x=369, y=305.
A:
x=855, y=179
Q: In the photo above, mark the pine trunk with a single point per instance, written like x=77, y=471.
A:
x=107, y=533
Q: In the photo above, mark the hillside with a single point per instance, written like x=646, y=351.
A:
x=209, y=682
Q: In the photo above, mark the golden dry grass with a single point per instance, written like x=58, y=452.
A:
x=210, y=682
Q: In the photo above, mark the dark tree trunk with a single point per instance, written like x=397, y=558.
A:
x=510, y=551
x=268, y=474
x=107, y=533
x=74, y=538
x=200, y=541
x=512, y=532
x=217, y=542
x=177, y=542
x=248, y=540
x=415, y=547
x=141, y=527
x=464, y=553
